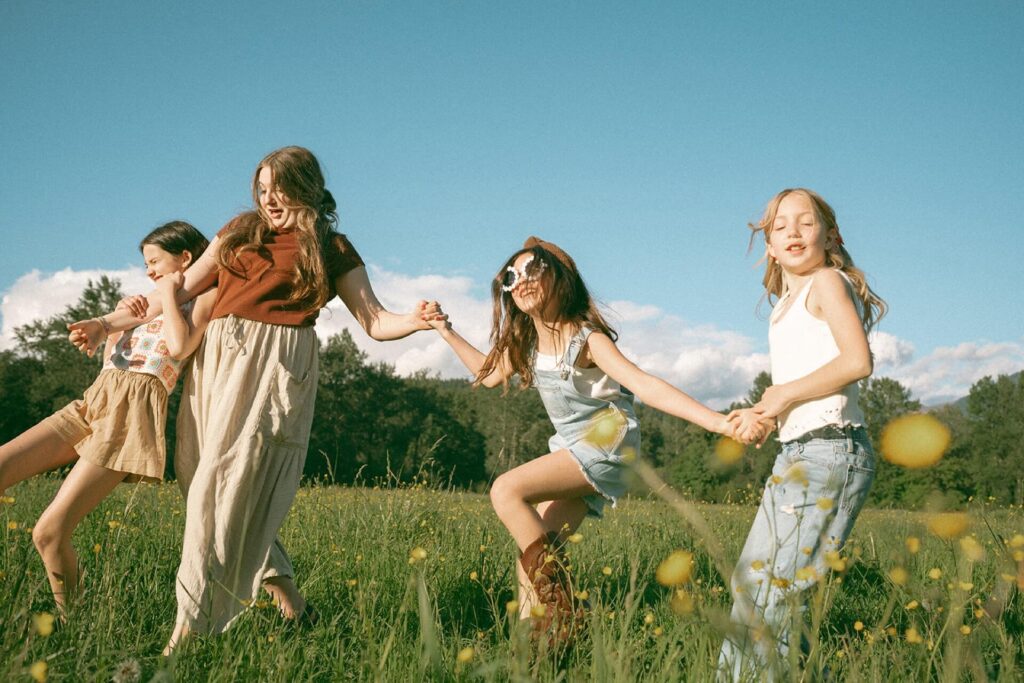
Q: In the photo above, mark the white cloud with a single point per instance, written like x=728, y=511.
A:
x=714, y=365
x=37, y=295
x=948, y=372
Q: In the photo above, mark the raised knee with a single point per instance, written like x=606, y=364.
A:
x=502, y=491
x=46, y=536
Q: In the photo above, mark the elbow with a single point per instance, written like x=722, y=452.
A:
x=178, y=351
x=862, y=368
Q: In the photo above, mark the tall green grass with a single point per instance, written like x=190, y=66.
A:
x=386, y=615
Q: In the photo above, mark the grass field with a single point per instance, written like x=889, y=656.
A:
x=954, y=613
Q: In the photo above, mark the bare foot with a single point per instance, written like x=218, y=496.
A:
x=180, y=634
x=286, y=596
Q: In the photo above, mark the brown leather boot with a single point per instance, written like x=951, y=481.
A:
x=544, y=564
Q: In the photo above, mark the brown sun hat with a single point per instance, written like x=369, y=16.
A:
x=553, y=249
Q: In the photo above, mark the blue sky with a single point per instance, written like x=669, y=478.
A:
x=642, y=137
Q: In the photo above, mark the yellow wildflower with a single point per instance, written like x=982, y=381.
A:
x=913, y=636
x=606, y=428
x=808, y=573
x=935, y=573
x=681, y=602
x=913, y=544
x=675, y=569
x=898, y=575
x=42, y=623
x=796, y=473
x=465, y=655
x=38, y=671
x=915, y=441
x=948, y=524
x=834, y=561
x=971, y=549
x=728, y=451
x=825, y=504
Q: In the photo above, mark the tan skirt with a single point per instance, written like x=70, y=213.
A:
x=118, y=424
x=243, y=430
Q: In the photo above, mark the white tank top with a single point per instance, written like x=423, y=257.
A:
x=592, y=382
x=798, y=345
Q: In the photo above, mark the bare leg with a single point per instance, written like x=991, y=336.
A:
x=562, y=517
x=85, y=486
x=180, y=634
x=38, y=449
x=555, y=476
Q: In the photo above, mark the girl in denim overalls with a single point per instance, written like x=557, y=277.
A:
x=548, y=330
x=819, y=351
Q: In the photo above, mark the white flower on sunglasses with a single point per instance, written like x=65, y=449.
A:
x=531, y=270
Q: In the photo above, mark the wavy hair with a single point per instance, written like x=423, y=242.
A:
x=836, y=256
x=297, y=175
x=514, y=331
x=176, y=238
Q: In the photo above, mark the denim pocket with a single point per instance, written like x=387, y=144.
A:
x=855, y=491
x=554, y=401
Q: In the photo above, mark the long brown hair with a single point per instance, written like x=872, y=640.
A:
x=513, y=331
x=836, y=256
x=297, y=175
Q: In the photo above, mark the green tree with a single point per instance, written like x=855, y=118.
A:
x=67, y=371
x=882, y=399
x=995, y=414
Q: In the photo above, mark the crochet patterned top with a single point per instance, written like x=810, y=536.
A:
x=799, y=344
x=144, y=349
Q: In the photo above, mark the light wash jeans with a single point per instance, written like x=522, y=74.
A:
x=808, y=509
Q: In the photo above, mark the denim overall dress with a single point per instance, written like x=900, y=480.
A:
x=597, y=432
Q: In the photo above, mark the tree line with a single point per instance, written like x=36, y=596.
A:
x=372, y=425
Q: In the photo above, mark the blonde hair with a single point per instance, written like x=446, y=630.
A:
x=297, y=175
x=836, y=256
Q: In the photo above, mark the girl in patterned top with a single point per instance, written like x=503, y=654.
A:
x=116, y=430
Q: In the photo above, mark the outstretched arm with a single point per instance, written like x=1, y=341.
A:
x=381, y=324
x=652, y=390
x=88, y=334
x=832, y=301
x=471, y=356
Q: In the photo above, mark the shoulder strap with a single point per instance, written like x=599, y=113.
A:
x=576, y=344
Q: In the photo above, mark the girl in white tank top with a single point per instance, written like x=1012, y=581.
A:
x=819, y=352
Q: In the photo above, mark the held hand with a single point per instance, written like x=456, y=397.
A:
x=428, y=315
x=86, y=335
x=167, y=285
x=770, y=424
x=773, y=401
x=136, y=304
x=747, y=425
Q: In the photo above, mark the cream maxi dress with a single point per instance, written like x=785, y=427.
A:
x=243, y=431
